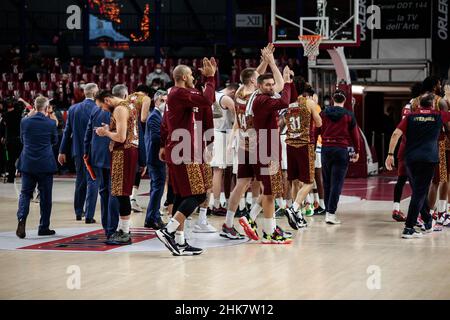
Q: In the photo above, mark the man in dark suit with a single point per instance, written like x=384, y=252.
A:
x=76, y=125
x=156, y=168
x=96, y=153
x=37, y=164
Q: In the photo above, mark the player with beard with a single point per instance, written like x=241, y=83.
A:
x=191, y=177
x=124, y=134
x=243, y=127
x=264, y=107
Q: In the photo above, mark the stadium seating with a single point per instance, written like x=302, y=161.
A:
x=131, y=71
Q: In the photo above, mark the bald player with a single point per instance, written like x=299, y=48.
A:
x=189, y=175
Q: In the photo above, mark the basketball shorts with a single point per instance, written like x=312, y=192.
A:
x=301, y=163
x=190, y=179
x=221, y=158
x=271, y=178
x=123, y=171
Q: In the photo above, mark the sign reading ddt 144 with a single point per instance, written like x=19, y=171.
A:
x=249, y=21
x=404, y=19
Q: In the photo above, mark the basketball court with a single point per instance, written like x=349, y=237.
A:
x=340, y=46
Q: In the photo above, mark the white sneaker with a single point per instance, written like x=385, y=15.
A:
x=203, y=227
x=134, y=206
x=446, y=220
x=332, y=219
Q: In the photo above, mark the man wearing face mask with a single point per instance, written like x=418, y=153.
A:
x=156, y=168
x=157, y=74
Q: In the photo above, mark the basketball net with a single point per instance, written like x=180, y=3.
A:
x=311, y=44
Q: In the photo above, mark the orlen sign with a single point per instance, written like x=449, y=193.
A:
x=442, y=23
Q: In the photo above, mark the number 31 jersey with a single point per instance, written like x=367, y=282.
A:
x=299, y=124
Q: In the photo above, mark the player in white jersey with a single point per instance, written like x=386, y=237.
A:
x=222, y=161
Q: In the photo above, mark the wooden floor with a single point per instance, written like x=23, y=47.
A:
x=324, y=262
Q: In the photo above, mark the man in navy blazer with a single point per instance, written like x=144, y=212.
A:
x=156, y=168
x=96, y=150
x=76, y=125
x=37, y=164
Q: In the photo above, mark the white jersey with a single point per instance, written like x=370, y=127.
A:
x=224, y=123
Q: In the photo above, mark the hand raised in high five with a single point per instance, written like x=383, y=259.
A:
x=287, y=74
x=209, y=67
x=267, y=54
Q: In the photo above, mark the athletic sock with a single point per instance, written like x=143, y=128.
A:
x=269, y=225
x=254, y=200
x=242, y=203
x=229, y=218
x=316, y=197
x=288, y=203
x=134, y=193
x=125, y=225
x=322, y=203
x=396, y=206
x=308, y=198
x=179, y=237
x=255, y=211
x=216, y=203
x=202, y=215
x=172, y=226
x=280, y=202
x=119, y=226
x=295, y=206
x=442, y=205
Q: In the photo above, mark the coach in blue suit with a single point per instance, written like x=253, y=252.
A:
x=37, y=164
x=76, y=125
x=156, y=168
x=96, y=149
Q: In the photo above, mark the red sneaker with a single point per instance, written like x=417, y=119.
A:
x=398, y=216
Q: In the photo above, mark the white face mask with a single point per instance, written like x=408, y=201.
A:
x=162, y=107
x=158, y=70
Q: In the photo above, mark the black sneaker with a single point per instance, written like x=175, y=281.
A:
x=119, y=238
x=301, y=221
x=187, y=250
x=319, y=211
x=292, y=218
x=221, y=212
x=410, y=233
x=89, y=221
x=46, y=232
x=240, y=213
x=168, y=239
x=427, y=227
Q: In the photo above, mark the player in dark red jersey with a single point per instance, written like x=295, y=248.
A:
x=190, y=175
x=264, y=107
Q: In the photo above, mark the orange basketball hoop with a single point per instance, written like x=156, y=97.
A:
x=311, y=44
